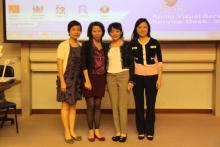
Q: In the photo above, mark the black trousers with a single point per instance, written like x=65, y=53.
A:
x=145, y=125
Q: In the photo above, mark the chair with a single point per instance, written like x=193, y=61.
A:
x=5, y=105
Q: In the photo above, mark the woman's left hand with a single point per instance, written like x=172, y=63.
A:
x=130, y=86
x=158, y=84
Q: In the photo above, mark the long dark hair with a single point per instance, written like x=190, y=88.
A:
x=95, y=23
x=138, y=22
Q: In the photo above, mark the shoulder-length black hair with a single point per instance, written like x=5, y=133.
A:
x=91, y=25
x=138, y=22
x=73, y=23
x=115, y=25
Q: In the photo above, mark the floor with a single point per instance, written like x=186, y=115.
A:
x=172, y=130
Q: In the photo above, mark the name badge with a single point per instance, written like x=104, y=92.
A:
x=134, y=48
x=153, y=46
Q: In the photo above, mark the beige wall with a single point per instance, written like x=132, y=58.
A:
x=216, y=98
x=188, y=80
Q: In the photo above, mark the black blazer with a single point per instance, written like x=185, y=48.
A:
x=87, y=55
x=152, y=49
x=127, y=61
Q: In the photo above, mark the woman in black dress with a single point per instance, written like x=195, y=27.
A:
x=68, y=81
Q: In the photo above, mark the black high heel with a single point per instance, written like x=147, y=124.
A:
x=116, y=138
x=141, y=136
x=150, y=137
x=123, y=139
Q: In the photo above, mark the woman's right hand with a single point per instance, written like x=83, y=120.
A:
x=130, y=86
x=63, y=86
x=88, y=85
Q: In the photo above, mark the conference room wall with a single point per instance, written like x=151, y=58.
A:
x=187, y=82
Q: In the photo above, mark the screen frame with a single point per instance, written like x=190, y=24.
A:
x=57, y=41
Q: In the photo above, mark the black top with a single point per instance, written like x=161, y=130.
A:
x=152, y=49
x=88, y=57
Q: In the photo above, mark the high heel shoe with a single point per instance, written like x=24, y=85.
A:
x=100, y=138
x=123, y=139
x=116, y=138
x=69, y=141
x=91, y=139
x=141, y=136
x=77, y=138
x=150, y=137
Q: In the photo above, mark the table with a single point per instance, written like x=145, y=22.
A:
x=4, y=86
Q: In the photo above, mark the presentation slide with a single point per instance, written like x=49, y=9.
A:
x=46, y=20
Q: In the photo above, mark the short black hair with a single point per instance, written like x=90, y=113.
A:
x=115, y=25
x=73, y=23
x=138, y=22
x=91, y=25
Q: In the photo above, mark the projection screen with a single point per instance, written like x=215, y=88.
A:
x=46, y=20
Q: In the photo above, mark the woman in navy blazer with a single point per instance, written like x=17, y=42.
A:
x=147, y=76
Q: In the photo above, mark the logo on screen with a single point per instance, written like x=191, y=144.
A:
x=170, y=3
x=14, y=8
x=104, y=9
x=60, y=9
x=38, y=9
x=82, y=10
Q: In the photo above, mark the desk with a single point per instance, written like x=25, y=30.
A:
x=4, y=86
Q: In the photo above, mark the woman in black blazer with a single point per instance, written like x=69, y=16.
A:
x=94, y=70
x=119, y=79
x=147, y=76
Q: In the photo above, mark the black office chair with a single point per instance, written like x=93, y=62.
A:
x=5, y=105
